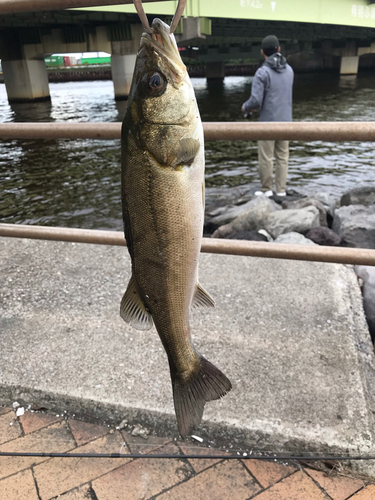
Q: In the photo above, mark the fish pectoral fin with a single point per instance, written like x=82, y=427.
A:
x=132, y=309
x=202, y=298
x=187, y=151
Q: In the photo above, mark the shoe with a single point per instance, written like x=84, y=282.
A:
x=265, y=193
x=281, y=194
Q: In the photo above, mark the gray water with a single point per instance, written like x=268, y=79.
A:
x=76, y=183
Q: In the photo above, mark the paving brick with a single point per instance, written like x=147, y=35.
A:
x=32, y=421
x=366, y=494
x=83, y=432
x=297, y=486
x=199, y=464
x=9, y=427
x=337, y=487
x=4, y=409
x=170, y=448
x=226, y=480
x=84, y=492
x=68, y=473
x=19, y=486
x=268, y=473
x=54, y=439
x=138, y=444
x=142, y=478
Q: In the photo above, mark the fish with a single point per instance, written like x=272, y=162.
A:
x=162, y=185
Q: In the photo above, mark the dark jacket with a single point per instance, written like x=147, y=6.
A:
x=272, y=90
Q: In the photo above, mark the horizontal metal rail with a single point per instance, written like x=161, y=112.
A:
x=60, y=130
x=242, y=131
x=15, y=6
x=209, y=245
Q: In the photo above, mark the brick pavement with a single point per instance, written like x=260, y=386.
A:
x=140, y=479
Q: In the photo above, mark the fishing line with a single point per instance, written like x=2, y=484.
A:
x=310, y=458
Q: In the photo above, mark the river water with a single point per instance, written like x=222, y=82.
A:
x=76, y=183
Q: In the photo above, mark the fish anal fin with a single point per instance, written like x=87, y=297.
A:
x=132, y=309
x=202, y=298
x=190, y=396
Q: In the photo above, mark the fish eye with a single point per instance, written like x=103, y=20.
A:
x=155, y=81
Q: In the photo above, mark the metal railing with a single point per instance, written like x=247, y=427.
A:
x=232, y=131
x=209, y=245
x=307, y=131
x=16, y=6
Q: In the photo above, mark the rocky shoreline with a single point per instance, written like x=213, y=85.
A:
x=318, y=219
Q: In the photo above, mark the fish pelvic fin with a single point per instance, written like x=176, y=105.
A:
x=190, y=396
x=132, y=309
x=202, y=298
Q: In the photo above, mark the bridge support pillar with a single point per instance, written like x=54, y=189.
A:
x=349, y=65
x=26, y=80
x=25, y=76
x=215, y=70
x=123, y=56
x=122, y=73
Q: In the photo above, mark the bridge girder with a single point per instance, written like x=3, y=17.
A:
x=225, y=32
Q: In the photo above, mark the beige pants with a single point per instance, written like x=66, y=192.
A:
x=267, y=150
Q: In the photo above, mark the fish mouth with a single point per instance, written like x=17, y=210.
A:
x=164, y=44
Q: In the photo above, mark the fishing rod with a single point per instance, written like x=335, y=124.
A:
x=299, y=458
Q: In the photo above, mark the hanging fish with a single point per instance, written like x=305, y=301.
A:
x=163, y=210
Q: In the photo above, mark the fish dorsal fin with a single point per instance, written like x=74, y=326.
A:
x=187, y=151
x=132, y=309
x=202, y=298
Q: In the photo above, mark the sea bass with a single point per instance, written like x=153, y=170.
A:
x=163, y=210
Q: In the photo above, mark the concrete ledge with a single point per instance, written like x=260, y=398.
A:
x=291, y=336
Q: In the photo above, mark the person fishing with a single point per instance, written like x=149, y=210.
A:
x=271, y=93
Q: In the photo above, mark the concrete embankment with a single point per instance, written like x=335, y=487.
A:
x=290, y=335
x=104, y=73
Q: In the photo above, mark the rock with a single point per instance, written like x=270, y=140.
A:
x=280, y=199
x=356, y=225
x=20, y=411
x=367, y=274
x=247, y=195
x=324, y=236
x=247, y=235
x=286, y=221
x=123, y=424
x=221, y=197
x=328, y=202
x=294, y=239
x=252, y=218
x=305, y=202
x=140, y=431
x=364, y=195
x=223, y=215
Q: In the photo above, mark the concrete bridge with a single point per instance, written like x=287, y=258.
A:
x=337, y=33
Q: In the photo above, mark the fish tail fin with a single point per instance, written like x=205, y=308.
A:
x=190, y=396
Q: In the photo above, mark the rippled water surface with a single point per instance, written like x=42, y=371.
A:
x=77, y=183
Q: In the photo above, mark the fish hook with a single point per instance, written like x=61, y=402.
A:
x=143, y=18
x=142, y=15
x=180, y=9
